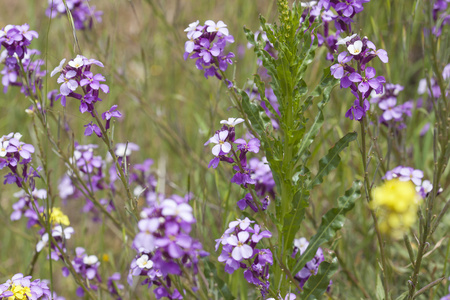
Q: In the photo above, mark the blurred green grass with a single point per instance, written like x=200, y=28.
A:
x=170, y=110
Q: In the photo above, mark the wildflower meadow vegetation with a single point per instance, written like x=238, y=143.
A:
x=225, y=149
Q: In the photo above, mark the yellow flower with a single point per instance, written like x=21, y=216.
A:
x=58, y=217
x=396, y=203
x=20, y=292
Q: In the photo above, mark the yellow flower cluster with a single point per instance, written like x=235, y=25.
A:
x=396, y=203
x=20, y=292
x=58, y=217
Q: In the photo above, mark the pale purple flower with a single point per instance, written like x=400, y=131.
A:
x=182, y=210
x=68, y=84
x=243, y=224
x=219, y=27
x=24, y=150
x=390, y=111
x=241, y=250
x=407, y=174
x=252, y=145
x=94, y=81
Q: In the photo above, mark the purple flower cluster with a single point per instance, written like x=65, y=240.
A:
x=16, y=39
x=312, y=266
x=21, y=287
x=77, y=74
x=441, y=16
x=24, y=207
x=393, y=114
x=362, y=80
x=239, y=251
x=83, y=14
x=164, y=245
x=207, y=45
x=14, y=153
x=341, y=12
x=234, y=151
x=61, y=235
x=87, y=267
x=423, y=187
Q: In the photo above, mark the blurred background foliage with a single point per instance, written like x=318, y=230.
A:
x=170, y=110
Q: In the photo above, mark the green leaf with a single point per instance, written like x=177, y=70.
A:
x=330, y=161
x=294, y=218
x=253, y=112
x=210, y=269
x=403, y=296
x=379, y=289
x=316, y=285
x=324, y=88
x=332, y=221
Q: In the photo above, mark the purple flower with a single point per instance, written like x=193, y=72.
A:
x=241, y=250
x=23, y=149
x=415, y=176
x=222, y=144
x=252, y=146
x=68, y=84
x=111, y=113
x=90, y=128
x=357, y=112
x=390, y=111
x=94, y=81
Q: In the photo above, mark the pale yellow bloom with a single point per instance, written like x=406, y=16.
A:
x=396, y=203
x=58, y=217
x=20, y=292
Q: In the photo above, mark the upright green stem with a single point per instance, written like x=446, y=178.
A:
x=368, y=192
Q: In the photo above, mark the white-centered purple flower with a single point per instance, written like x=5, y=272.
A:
x=77, y=62
x=3, y=147
x=390, y=110
x=222, y=144
x=301, y=244
x=182, y=210
x=410, y=174
x=68, y=83
x=243, y=224
x=241, y=250
x=216, y=27
x=192, y=26
x=231, y=122
x=345, y=40
x=355, y=48
x=144, y=262
x=90, y=259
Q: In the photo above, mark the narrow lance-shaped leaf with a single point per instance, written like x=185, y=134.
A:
x=294, y=218
x=330, y=161
x=253, y=114
x=324, y=88
x=316, y=285
x=332, y=221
